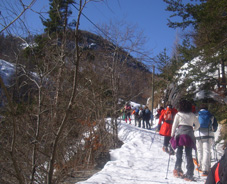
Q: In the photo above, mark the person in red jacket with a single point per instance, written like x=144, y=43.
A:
x=167, y=117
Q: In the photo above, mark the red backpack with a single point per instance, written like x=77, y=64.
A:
x=168, y=116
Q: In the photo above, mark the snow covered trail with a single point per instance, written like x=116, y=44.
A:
x=140, y=160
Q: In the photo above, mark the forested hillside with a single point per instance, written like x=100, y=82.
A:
x=64, y=84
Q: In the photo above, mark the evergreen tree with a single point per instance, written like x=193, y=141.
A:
x=208, y=19
x=58, y=16
x=163, y=62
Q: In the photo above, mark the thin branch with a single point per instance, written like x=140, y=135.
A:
x=29, y=6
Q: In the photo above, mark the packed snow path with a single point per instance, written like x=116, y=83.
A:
x=140, y=160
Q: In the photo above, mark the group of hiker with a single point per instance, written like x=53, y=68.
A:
x=185, y=129
x=142, y=115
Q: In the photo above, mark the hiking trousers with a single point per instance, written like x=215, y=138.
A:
x=167, y=144
x=166, y=141
x=204, y=153
x=140, y=120
x=190, y=164
x=128, y=117
x=148, y=126
x=137, y=121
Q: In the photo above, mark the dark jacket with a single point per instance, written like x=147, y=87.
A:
x=147, y=114
x=222, y=171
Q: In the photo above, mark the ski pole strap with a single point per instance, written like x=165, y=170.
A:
x=216, y=175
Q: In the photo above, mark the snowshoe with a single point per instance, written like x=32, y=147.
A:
x=199, y=169
x=171, y=152
x=165, y=149
x=188, y=178
x=205, y=173
x=178, y=173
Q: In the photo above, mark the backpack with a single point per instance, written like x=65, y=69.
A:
x=128, y=108
x=204, y=119
x=140, y=113
x=137, y=111
x=168, y=116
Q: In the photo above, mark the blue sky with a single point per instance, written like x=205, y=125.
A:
x=148, y=15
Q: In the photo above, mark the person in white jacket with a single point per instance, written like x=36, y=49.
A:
x=205, y=138
x=185, y=122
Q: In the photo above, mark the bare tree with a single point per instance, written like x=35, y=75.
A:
x=11, y=14
x=46, y=121
x=63, y=93
x=122, y=66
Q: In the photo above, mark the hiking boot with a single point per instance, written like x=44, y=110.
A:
x=165, y=149
x=205, y=173
x=188, y=178
x=175, y=173
x=178, y=173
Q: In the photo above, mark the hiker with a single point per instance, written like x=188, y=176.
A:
x=218, y=173
x=194, y=109
x=147, y=117
x=135, y=112
x=205, y=138
x=140, y=117
x=143, y=117
x=127, y=110
x=183, y=137
x=167, y=117
x=123, y=112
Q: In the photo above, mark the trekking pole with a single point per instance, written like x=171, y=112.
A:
x=215, y=153
x=183, y=157
x=152, y=139
x=196, y=157
x=167, y=167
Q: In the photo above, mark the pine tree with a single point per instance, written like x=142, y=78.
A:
x=58, y=16
x=208, y=18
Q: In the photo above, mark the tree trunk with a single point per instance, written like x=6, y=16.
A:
x=223, y=79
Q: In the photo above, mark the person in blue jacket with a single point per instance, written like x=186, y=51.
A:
x=147, y=117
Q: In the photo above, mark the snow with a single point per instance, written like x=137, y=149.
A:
x=201, y=94
x=6, y=71
x=186, y=72
x=140, y=160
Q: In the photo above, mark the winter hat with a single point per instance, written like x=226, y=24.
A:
x=204, y=106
